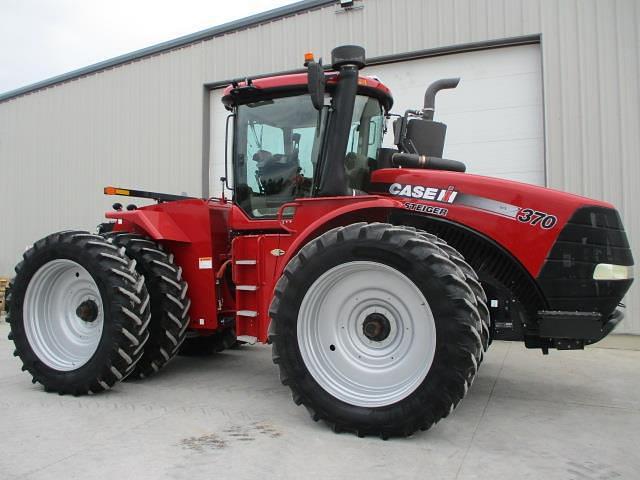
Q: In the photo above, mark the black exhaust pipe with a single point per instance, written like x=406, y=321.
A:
x=347, y=60
x=430, y=95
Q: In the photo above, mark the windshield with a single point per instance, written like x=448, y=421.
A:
x=278, y=144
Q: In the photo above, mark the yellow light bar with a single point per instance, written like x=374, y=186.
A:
x=607, y=271
x=116, y=191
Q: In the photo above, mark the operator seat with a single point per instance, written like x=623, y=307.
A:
x=277, y=174
x=356, y=167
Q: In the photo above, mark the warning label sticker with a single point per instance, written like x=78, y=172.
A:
x=205, y=263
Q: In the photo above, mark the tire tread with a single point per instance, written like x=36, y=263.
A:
x=125, y=338
x=169, y=317
x=465, y=355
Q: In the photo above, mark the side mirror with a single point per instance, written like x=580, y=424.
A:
x=316, y=83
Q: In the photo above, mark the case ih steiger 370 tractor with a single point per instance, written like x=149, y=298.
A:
x=380, y=276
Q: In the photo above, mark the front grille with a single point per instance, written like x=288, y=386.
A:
x=592, y=235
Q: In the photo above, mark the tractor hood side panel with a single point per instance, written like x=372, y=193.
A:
x=525, y=219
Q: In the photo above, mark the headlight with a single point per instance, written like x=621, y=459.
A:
x=607, y=271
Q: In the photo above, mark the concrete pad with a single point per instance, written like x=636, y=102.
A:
x=562, y=416
x=620, y=342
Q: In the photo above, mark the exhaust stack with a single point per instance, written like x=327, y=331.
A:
x=347, y=60
x=430, y=95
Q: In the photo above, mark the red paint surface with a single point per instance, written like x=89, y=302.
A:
x=527, y=243
x=189, y=229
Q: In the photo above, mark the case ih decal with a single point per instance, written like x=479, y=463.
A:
x=424, y=193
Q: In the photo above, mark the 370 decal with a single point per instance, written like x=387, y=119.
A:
x=535, y=217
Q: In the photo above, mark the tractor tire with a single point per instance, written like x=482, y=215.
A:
x=471, y=278
x=169, y=301
x=78, y=313
x=375, y=330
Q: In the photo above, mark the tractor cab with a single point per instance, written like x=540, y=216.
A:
x=320, y=133
x=296, y=138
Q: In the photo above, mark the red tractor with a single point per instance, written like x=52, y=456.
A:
x=380, y=276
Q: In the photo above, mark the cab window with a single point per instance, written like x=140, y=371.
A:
x=276, y=149
x=365, y=138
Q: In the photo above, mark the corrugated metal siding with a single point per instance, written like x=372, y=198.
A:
x=141, y=124
x=131, y=126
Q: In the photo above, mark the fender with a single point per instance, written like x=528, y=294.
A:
x=157, y=225
x=171, y=221
x=185, y=228
x=312, y=219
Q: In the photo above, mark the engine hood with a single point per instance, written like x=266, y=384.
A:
x=524, y=219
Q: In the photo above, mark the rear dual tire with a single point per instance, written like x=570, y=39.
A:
x=169, y=301
x=397, y=341
x=78, y=312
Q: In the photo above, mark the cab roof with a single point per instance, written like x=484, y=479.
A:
x=250, y=90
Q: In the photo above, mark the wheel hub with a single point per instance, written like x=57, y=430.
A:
x=88, y=311
x=376, y=327
x=366, y=333
x=63, y=315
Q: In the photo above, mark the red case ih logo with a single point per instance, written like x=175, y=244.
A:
x=425, y=193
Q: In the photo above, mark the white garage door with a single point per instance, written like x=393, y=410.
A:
x=494, y=116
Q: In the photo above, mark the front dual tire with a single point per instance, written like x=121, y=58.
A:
x=376, y=329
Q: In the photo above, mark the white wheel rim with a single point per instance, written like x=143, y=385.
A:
x=56, y=332
x=347, y=363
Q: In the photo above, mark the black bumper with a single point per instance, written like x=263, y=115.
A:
x=581, y=327
x=612, y=322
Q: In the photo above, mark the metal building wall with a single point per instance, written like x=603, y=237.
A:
x=140, y=124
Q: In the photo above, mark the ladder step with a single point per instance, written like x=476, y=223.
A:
x=246, y=262
x=247, y=313
x=247, y=288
